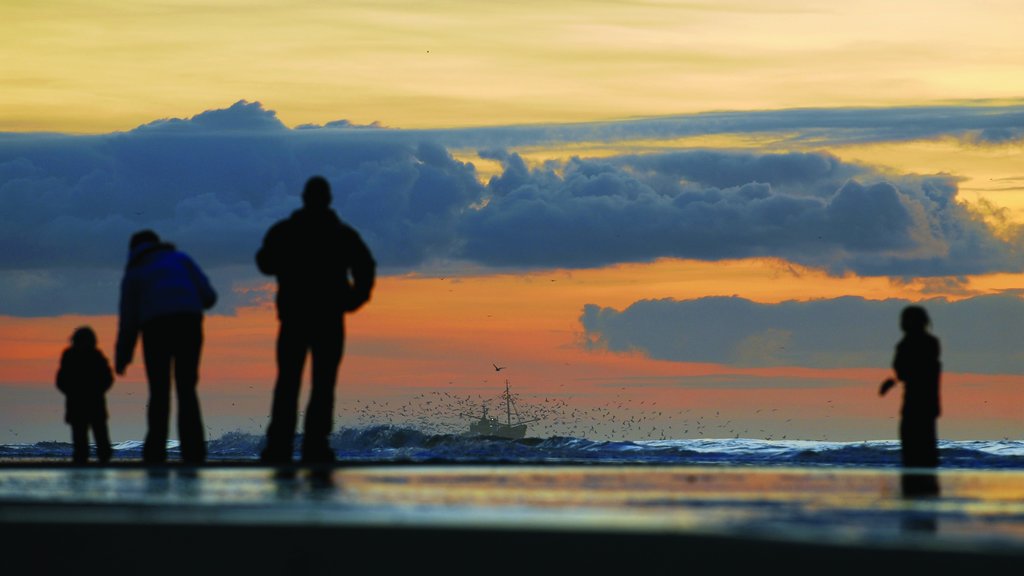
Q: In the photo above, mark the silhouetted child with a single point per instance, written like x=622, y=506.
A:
x=917, y=365
x=84, y=377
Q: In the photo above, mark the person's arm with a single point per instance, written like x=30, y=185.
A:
x=902, y=361
x=897, y=366
x=62, y=373
x=938, y=378
x=364, y=272
x=268, y=257
x=128, y=325
x=105, y=373
x=207, y=295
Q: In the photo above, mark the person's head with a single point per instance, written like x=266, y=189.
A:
x=914, y=319
x=143, y=237
x=317, y=193
x=83, y=337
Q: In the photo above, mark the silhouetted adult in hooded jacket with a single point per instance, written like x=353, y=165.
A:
x=163, y=296
x=918, y=367
x=323, y=270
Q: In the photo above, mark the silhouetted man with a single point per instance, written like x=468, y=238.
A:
x=323, y=270
x=917, y=365
x=163, y=295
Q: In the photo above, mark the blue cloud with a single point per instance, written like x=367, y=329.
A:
x=242, y=115
x=980, y=334
x=812, y=209
x=215, y=182
x=982, y=122
x=339, y=125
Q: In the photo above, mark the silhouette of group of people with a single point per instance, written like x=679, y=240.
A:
x=323, y=269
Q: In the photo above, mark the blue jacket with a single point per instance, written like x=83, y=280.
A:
x=159, y=281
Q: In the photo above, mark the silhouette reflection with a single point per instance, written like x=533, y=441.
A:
x=180, y=482
x=919, y=484
x=316, y=482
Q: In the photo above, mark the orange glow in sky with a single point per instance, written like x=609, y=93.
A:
x=424, y=334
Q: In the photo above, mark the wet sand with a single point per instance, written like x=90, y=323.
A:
x=418, y=519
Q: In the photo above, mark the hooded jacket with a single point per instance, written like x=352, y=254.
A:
x=84, y=377
x=158, y=281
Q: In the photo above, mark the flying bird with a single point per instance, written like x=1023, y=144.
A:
x=498, y=368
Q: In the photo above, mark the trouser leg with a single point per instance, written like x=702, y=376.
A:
x=188, y=348
x=919, y=442
x=327, y=350
x=102, y=436
x=291, y=357
x=919, y=445
x=157, y=353
x=80, y=442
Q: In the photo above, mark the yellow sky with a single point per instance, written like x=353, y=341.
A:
x=94, y=66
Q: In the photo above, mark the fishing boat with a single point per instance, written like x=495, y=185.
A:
x=491, y=426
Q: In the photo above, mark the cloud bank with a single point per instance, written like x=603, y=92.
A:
x=812, y=209
x=215, y=182
x=981, y=122
x=980, y=335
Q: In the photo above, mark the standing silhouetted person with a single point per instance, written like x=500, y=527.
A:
x=917, y=365
x=163, y=295
x=323, y=270
x=84, y=377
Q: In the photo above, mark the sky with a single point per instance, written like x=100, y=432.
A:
x=663, y=219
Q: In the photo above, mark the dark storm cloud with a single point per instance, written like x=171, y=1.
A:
x=712, y=205
x=75, y=200
x=215, y=182
x=212, y=184
x=980, y=334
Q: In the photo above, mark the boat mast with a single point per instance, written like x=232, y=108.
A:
x=508, y=403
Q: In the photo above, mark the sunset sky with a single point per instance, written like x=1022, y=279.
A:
x=699, y=218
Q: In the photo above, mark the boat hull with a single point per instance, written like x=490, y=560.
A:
x=495, y=428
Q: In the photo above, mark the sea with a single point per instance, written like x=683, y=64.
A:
x=401, y=444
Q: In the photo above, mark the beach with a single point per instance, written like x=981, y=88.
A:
x=402, y=518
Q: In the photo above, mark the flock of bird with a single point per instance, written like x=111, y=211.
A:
x=623, y=418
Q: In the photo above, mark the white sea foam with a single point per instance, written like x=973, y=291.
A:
x=394, y=443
